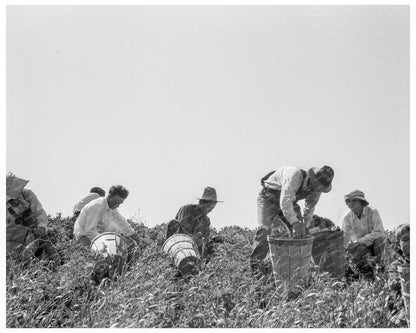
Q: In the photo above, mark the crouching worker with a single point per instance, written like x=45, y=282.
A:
x=101, y=216
x=95, y=193
x=363, y=231
x=192, y=220
x=27, y=223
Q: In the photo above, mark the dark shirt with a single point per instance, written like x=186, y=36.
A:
x=192, y=221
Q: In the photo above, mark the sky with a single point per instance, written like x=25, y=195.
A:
x=167, y=100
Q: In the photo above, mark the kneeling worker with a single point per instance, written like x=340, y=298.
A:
x=363, y=230
x=101, y=215
x=193, y=220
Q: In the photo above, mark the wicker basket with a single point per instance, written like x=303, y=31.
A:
x=290, y=258
x=184, y=252
x=329, y=253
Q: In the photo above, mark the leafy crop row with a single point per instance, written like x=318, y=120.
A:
x=223, y=294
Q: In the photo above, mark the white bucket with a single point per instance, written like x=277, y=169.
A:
x=183, y=250
x=109, y=243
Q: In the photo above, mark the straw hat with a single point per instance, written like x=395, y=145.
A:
x=323, y=175
x=356, y=194
x=210, y=194
x=14, y=186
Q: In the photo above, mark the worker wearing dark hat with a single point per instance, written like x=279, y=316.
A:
x=192, y=219
x=277, y=204
x=363, y=229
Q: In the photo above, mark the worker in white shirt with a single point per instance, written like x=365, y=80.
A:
x=95, y=193
x=277, y=205
x=363, y=229
x=101, y=215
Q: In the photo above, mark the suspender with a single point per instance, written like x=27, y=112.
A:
x=300, y=193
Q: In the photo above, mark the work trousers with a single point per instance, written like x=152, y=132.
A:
x=360, y=253
x=270, y=216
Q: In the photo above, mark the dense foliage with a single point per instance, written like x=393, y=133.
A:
x=223, y=294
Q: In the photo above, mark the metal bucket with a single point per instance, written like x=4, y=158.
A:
x=109, y=243
x=329, y=253
x=404, y=272
x=183, y=250
x=290, y=258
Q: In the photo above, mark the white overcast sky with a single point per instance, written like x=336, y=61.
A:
x=166, y=100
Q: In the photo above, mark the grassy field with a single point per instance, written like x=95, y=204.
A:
x=224, y=294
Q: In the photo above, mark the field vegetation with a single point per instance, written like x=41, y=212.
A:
x=224, y=294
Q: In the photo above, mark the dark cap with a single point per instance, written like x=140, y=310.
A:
x=98, y=190
x=324, y=176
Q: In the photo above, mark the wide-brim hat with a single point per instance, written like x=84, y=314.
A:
x=210, y=194
x=14, y=186
x=356, y=194
x=322, y=175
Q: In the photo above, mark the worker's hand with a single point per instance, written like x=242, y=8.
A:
x=136, y=238
x=351, y=245
x=40, y=232
x=84, y=241
x=198, y=239
x=299, y=231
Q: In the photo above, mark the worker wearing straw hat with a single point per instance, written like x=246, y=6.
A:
x=277, y=204
x=27, y=222
x=363, y=230
x=192, y=219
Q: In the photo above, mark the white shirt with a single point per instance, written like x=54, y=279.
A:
x=87, y=199
x=96, y=217
x=365, y=229
x=289, y=180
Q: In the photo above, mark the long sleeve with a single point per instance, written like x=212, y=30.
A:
x=288, y=197
x=193, y=222
x=347, y=228
x=121, y=223
x=186, y=220
x=87, y=222
x=376, y=226
x=36, y=208
x=310, y=203
x=80, y=225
